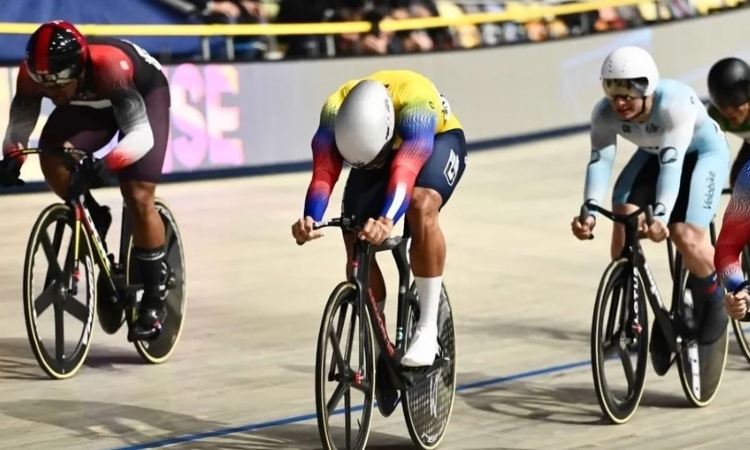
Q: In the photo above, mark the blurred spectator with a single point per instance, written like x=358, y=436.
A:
x=228, y=12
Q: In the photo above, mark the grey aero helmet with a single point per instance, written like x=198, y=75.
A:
x=364, y=125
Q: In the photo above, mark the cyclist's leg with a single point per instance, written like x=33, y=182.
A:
x=84, y=128
x=363, y=197
x=633, y=189
x=742, y=158
x=138, y=186
x=434, y=186
x=702, y=189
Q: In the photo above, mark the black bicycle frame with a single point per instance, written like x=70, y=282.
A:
x=363, y=253
x=633, y=253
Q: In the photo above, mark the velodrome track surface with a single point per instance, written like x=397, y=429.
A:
x=522, y=290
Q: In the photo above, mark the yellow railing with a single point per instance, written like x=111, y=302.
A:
x=521, y=14
x=518, y=12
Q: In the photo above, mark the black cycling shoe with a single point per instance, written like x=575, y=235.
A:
x=714, y=322
x=149, y=323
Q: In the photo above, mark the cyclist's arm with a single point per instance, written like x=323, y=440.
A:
x=603, y=137
x=417, y=123
x=742, y=158
x=678, y=121
x=24, y=114
x=734, y=235
x=132, y=118
x=327, y=165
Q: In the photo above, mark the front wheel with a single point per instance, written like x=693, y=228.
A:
x=66, y=284
x=619, y=333
x=347, y=332
x=173, y=290
x=428, y=404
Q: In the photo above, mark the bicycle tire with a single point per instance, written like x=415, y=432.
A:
x=70, y=364
x=737, y=326
x=345, y=294
x=429, y=436
x=683, y=360
x=615, y=272
x=161, y=349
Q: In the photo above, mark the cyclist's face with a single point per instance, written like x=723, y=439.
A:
x=628, y=108
x=736, y=115
x=61, y=94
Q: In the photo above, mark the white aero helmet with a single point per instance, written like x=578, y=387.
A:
x=364, y=125
x=629, y=71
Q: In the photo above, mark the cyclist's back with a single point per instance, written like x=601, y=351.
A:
x=405, y=86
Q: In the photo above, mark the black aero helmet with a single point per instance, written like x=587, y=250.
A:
x=56, y=53
x=729, y=82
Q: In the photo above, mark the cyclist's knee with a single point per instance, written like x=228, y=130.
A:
x=424, y=208
x=55, y=174
x=139, y=196
x=688, y=238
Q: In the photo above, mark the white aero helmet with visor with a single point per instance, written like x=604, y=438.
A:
x=364, y=125
x=629, y=72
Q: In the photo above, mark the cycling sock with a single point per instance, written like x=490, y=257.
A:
x=428, y=290
x=150, y=261
x=708, y=288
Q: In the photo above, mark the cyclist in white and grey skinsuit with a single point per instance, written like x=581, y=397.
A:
x=680, y=167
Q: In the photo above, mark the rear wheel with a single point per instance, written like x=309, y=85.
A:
x=428, y=404
x=173, y=290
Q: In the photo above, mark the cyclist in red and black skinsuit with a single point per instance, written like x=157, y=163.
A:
x=100, y=87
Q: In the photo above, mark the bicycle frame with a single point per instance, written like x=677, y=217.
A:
x=363, y=252
x=633, y=253
x=360, y=265
x=82, y=218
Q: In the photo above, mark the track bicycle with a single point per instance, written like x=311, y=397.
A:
x=739, y=331
x=623, y=332
x=426, y=394
x=116, y=293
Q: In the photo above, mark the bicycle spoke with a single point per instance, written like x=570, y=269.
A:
x=348, y=414
x=59, y=332
x=51, y=254
x=342, y=318
x=45, y=299
x=72, y=306
x=627, y=366
x=337, y=351
x=337, y=394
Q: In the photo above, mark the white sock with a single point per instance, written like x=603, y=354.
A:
x=428, y=290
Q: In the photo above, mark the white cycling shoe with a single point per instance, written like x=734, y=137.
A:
x=423, y=349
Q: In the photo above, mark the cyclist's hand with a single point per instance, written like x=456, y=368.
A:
x=10, y=171
x=736, y=305
x=582, y=230
x=658, y=231
x=302, y=230
x=376, y=231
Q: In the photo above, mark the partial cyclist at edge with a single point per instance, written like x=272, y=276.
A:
x=100, y=87
x=680, y=167
x=729, y=89
x=729, y=92
x=408, y=153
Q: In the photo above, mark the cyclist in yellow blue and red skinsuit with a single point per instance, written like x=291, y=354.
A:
x=408, y=153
